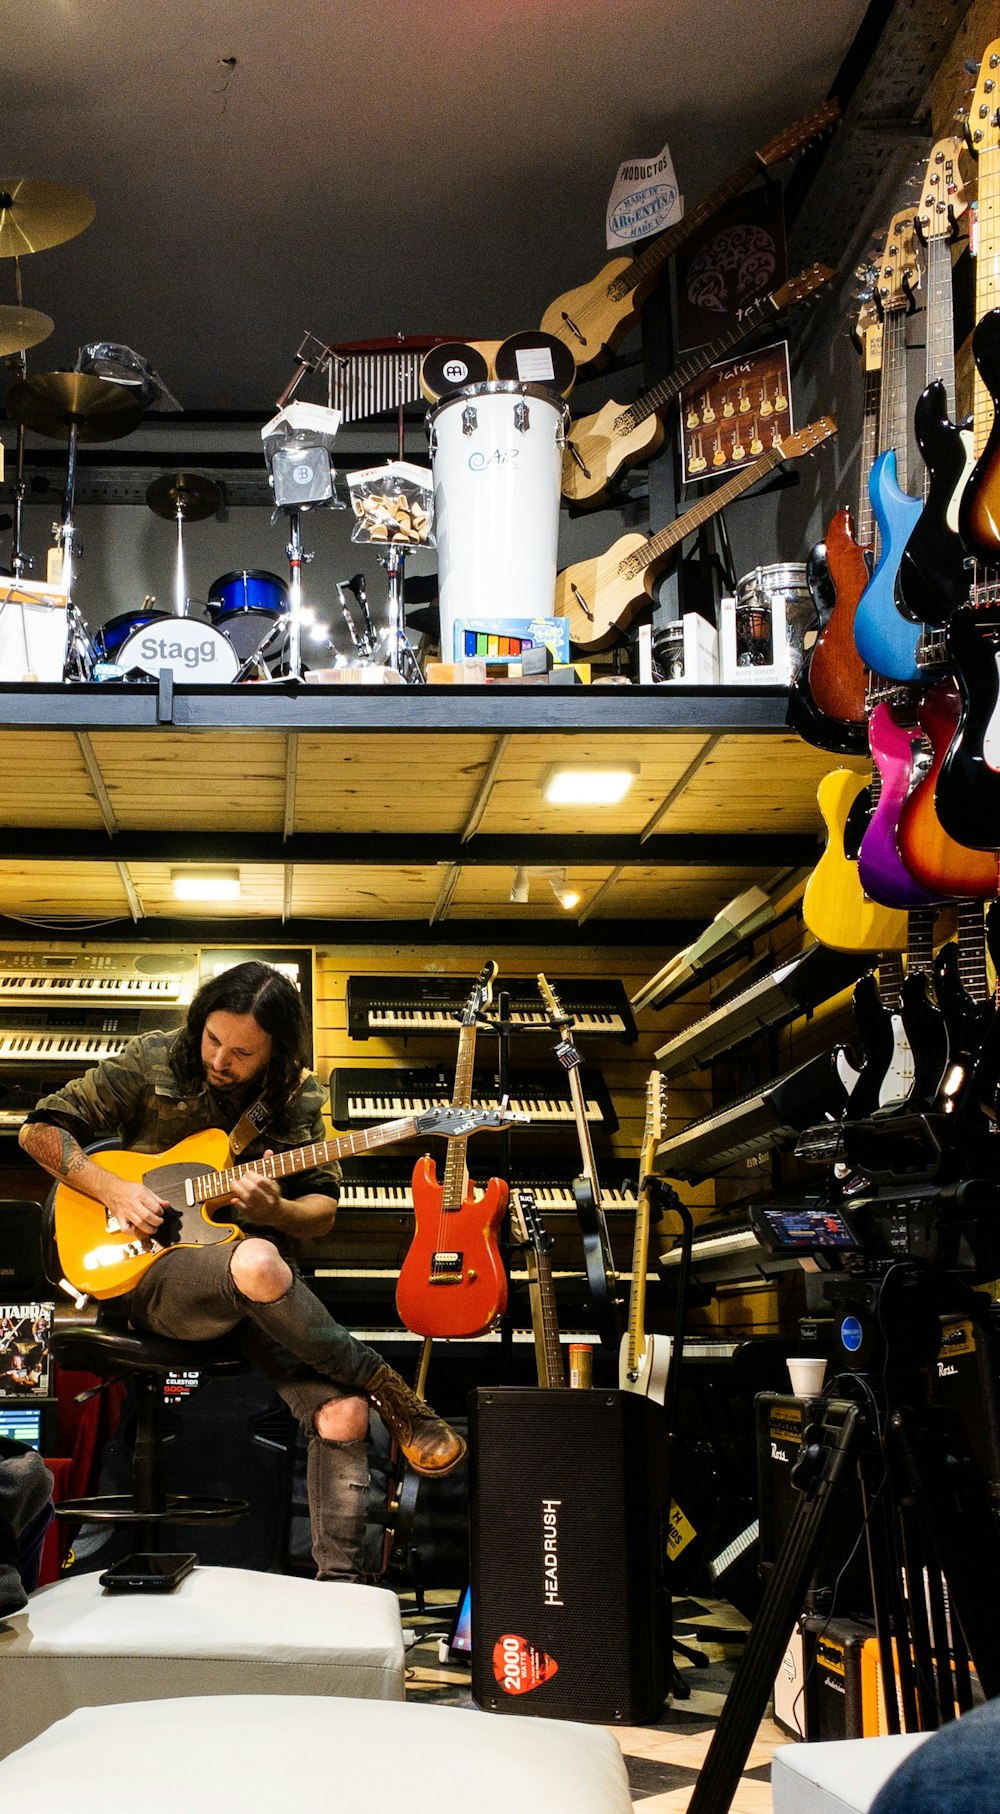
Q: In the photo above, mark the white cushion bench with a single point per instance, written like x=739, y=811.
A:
x=841, y=1776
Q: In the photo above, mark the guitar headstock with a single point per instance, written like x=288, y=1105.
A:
x=481, y=994
x=805, y=284
x=656, y=1110
x=794, y=137
x=793, y=446
x=942, y=198
x=983, y=125
x=898, y=272
x=550, y=1000
x=526, y=1223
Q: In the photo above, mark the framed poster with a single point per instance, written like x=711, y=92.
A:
x=735, y=412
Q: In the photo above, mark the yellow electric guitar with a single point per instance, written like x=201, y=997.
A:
x=835, y=907
x=594, y=318
x=644, y=1360
x=101, y=1258
x=602, y=596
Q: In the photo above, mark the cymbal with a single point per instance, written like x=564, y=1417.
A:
x=50, y=401
x=36, y=215
x=21, y=328
x=186, y=494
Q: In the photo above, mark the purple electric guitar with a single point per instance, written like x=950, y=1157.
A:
x=884, y=876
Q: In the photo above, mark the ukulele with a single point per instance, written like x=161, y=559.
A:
x=644, y=1360
x=597, y=1253
x=194, y=1178
x=622, y=435
x=528, y=1232
x=593, y=319
x=601, y=597
x=886, y=641
x=932, y=579
x=452, y=1282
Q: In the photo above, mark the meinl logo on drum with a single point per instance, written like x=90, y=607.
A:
x=191, y=654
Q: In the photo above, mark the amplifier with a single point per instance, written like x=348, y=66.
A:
x=570, y=1514
x=781, y=1422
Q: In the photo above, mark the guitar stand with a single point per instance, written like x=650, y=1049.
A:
x=930, y=1530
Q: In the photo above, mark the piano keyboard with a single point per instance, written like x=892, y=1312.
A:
x=64, y=1048
x=27, y=987
x=359, y=1097
x=769, y=1117
x=716, y=1247
x=794, y=988
x=365, y=1194
x=408, y=1005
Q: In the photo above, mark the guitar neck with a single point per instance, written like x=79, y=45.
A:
x=214, y=1187
x=640, y=1259
x=987, y=280
x=663, y=393
x=548, y=1347
x=972, y=950
x=661, y=544
x=894, y=415
x=453, y=1187
x=940, y=318
x=869, y=448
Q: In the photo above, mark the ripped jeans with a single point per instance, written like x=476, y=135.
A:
x=190, y=1295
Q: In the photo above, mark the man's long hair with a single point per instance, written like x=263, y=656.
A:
x=257, y=989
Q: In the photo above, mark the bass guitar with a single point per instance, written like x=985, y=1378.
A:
x=644, y=1360
x=624, y=434
x=194, y=1179
x=452, y=1282
x=528, y=1232
x=597, y=1254
x=969, y=1010
x=886, y=641
x=594, y=318
x=932, y=579
x=845, y=736
x=601, y=597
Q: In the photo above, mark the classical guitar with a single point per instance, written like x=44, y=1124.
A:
x=601, y=597
x=644, y=1360
x=527, y=1230
x=835, y=908
x=194, y=1177
x=894, y=746
x=592, y=319
x=932, y=857
x=932, y=579
x=597, y=1254
x=624, y=434
x=886, y=641
x=452, y=1281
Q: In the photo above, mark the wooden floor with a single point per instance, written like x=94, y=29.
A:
x=662, y=1759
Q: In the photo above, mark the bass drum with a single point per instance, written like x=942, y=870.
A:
x=109, y=638
x=196, y=654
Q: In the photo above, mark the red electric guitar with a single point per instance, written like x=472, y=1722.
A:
x=452, y=1281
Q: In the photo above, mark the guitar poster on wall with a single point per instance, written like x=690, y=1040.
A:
x=736, y=411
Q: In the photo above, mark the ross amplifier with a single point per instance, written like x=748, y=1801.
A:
x=570, y=1514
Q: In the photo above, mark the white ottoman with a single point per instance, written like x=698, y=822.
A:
x=841, y=1777
x=236, y=1754
x=222, y=1630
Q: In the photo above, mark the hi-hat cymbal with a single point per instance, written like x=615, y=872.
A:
x=186, y=494
x=21, y=328
x=50, y=401
x=36, y=215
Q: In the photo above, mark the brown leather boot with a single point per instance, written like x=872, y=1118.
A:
x=430, y=1445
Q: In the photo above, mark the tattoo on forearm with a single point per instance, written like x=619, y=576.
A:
x=55, y=1149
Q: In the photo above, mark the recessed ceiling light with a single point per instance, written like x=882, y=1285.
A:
x=592, y=786
x=206, y=884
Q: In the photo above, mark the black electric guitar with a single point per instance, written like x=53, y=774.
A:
x=586, y=1190
x=529, y=1233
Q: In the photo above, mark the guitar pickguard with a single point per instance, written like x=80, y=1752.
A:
x=991, y=734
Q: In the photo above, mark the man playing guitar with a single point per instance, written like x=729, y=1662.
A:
x=241, y=1050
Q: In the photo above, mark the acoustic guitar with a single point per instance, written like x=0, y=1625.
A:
x=452, y=1282
x=101, y=1258
x=601, y=597
x=644, y=1360
x=624, y=434
x=594, y=318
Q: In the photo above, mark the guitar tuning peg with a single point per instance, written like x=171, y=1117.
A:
x=972, y=66
x=960, y=115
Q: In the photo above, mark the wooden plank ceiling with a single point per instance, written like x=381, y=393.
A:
x=109, y=813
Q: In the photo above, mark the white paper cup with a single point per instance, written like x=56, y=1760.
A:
x=806, y=1375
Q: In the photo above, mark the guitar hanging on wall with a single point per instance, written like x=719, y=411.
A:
x=452, y=1282
x=586, y=1189
x=594, y=318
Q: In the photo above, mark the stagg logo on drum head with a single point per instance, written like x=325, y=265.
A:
x=191, y=654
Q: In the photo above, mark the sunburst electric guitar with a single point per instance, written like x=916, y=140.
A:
x=594, y=318
x=601, y=597
x=644, y=1360
x=452, y=1282
x=101, y=1258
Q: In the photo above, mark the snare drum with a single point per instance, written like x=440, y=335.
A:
x=756, y=594
x=247, y=590
x=496, y=454
x=195, y=653
x=111, y=635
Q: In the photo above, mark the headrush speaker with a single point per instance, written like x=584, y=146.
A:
x=570, y=1512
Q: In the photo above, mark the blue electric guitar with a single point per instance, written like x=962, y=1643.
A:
x=885, y=640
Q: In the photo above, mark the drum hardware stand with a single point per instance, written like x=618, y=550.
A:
x=183, y=497
x=930, y=1524
x=367, y=642
x=399, y=651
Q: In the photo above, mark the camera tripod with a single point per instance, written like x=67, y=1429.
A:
x=931, y=1526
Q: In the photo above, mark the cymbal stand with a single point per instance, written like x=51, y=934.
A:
x=297, y=559
x=19, y=561
x=180, y=574
x=399, y=652
x=65, y=531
